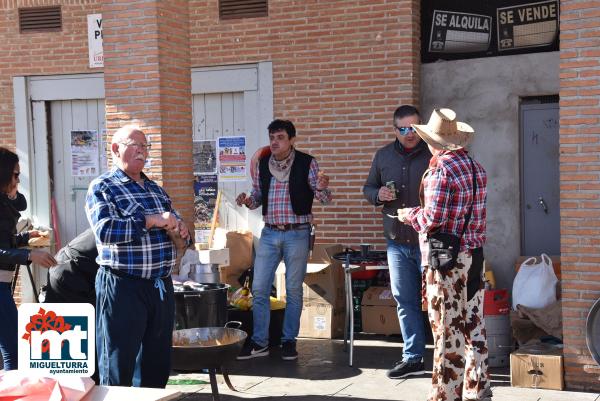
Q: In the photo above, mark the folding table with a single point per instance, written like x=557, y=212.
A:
x=352, y=261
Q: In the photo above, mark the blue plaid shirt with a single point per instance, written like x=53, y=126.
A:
x=116, y=207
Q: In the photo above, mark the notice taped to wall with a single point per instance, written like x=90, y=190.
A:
x=205, y=198
x=95, y=49
x=205, y=157
x=455, y=32
x=527, y=25
x=232, y=158
x=84, y=153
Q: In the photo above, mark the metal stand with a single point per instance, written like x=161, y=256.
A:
x=35, y=294
x=349, y=319
x=13, y=284
x=352, y=261
x=212, y=374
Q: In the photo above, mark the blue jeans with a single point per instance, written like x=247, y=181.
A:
x=274, y=245
x=133, y=330
x=8, y=332
x=404, y=262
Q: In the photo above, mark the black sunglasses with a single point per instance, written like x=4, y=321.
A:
x=404, y=130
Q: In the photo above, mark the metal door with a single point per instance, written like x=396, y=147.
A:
x=69, y=190
x=540, y=187
x=223, y=114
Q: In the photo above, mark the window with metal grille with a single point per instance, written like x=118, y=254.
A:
x=36, y=19
x=230, y=9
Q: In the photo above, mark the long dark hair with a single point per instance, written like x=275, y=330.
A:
x=8, y=161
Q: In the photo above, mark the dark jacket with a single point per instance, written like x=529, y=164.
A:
x=73, y=279
x=10, y=256
x=301, y=194
x=392, y=163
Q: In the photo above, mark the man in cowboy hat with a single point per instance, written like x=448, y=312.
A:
x=452, y=216
x=402, y=163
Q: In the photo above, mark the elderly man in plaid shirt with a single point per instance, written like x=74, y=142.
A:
x=453, y=199
x=133, y=222
x=285, y=184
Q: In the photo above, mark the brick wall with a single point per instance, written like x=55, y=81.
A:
x=340, y=68
x=147, y=81
x=42, y=53
x=580, y=183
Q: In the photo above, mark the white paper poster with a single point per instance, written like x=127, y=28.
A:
x=205, y=157
x=84, y=153
x=232, y=158
x=96, y=53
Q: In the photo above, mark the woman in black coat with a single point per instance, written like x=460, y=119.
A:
x=11, y=203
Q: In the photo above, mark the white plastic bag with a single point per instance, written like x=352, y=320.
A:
x=535, y=283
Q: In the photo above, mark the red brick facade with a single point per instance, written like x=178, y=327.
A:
x=580, y=183
x=339, y=71
x=39, y=53
x=147, y=80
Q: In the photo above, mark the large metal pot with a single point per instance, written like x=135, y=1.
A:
x=206, y=347
x=200, y=305
x=204, y=273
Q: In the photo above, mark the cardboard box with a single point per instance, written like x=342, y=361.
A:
x=321, y=320
x=324, y=303
x=537, y=370
x=324, y=280
x=378, y=310
x=214, y=256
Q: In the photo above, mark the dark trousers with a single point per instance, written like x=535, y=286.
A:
x=8, y=327
x=133, y=330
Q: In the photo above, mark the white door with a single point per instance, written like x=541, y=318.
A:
x=234, y=101
x=69, y=188
x=218, y=115
x=45, y=112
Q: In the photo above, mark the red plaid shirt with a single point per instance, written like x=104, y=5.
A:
x=280, y=206
x=448, y=193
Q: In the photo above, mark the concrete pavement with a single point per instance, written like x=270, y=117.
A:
x=322, y=373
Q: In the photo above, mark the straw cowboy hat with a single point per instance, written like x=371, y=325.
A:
x=443, y=132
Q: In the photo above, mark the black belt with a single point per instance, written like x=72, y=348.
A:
x=122, y=274
x=287, y=227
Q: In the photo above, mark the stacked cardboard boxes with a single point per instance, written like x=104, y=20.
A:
x=323, y=307
x=379, y=311
x=537, y=369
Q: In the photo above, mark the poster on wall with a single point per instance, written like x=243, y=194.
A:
x=527, y=25
x=205, y=197
x=84, y=153
x=104, y=151
x=454, y=32
x=232, y=158
x=463, y=29
x=204, y=155
x=95, y=49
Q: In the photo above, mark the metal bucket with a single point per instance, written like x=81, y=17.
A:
x=499, y=338
x=204, y=273
x=200, y=305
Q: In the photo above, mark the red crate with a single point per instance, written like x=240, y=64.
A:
x=495, y=302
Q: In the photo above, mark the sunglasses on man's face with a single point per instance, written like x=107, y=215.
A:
x=404, y=130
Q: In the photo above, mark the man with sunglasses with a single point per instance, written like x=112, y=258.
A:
x=393, y=183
